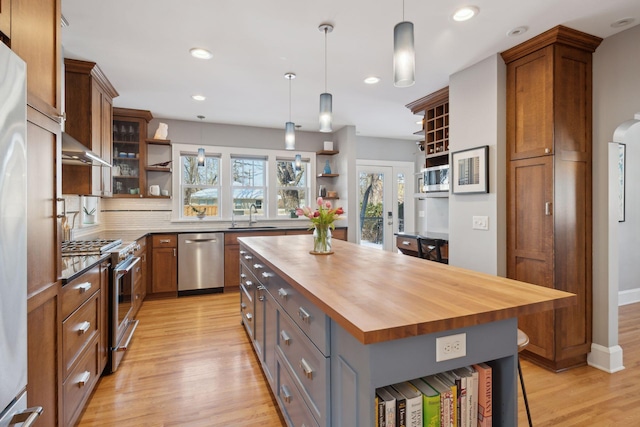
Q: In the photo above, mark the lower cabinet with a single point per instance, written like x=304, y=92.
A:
x=83, y=339
x=164, y=265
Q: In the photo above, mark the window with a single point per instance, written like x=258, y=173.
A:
x=234, y=179
x=199, y=186
x=292, y=186
x=248, y=185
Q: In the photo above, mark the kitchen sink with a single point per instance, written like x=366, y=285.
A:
x=253, y=227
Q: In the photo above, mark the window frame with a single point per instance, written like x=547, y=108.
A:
x=225, y=155
x=182, y=186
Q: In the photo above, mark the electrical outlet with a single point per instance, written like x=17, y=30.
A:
x=421, y=214
x=451, y=347
x=480, y=222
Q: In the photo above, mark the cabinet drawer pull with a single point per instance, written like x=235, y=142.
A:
x=84, y=379
x=547, y=208
x=165, y=240
x=84, y=287
x=286, y=339
x=258, y=266
x=248, y=283
x=84, y=327
x=243, y=252
x=249, y=317
x=286, y=394
x=248, y=257
x=304, y=315
x=308, y=372
x=283, y=294
x=243, y=306
x=266, y=275
x=243, y=276
x=406, y=242
x=547, y=150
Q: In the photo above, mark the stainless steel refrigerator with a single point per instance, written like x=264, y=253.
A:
x=13, y=242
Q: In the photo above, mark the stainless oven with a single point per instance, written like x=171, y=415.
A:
x=121, y=322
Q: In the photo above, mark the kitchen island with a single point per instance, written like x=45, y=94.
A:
x=329, y=330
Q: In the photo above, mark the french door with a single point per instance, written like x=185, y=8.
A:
x=385, y=202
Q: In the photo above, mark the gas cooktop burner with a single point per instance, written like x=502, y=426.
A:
x=89, y=247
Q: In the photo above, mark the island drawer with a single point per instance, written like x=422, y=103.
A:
x=247, y=309
x=309, y=367
x=78, y=329
x=294, y=408
x=77, y=291
x=311, y=320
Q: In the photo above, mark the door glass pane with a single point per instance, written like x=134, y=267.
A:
x=400, y=193
x=371, y=186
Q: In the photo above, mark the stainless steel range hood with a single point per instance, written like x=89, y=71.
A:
x=75, y=153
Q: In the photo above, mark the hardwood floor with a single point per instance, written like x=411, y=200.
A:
x=191, y=364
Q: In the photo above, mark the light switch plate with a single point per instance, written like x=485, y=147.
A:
x=480, y=222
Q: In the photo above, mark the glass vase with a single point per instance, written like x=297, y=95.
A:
x=322, y=239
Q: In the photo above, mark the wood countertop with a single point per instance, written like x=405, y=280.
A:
x=380, y=296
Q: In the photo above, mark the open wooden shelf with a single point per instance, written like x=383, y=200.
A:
x=158, y=141
x=327, y=152
x=328, y=175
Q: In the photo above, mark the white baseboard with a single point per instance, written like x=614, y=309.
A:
x=630, y=296
x=608, y=359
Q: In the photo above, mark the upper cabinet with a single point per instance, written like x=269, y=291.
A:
x=35, y=37
x=5, y=19
x=435, y=126
x=88, y=103
x=129, y=151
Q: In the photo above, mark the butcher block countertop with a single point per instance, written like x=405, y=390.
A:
x=381, y=296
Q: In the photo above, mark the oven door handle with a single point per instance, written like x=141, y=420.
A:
x=119, y=272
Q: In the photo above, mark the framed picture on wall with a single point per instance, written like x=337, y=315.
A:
x=622, y=153
x=470, y=171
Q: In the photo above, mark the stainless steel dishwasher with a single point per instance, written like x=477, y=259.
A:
x=200, y=263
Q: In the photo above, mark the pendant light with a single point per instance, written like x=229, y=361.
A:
x=325, y=98
x=289, y=127
x=404, y=55
x=201, y=156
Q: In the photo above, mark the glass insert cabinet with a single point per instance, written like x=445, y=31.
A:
x=129, y=153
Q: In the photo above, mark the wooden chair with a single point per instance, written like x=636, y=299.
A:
x=430, y=249
x=523, y=341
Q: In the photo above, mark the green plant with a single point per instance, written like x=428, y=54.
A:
x=87, y=212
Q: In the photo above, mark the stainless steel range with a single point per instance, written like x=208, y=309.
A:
x=122, y=277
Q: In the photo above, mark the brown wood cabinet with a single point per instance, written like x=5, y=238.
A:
x=84, y=345
x=164, y=266
x=549, y=229
x=435, y=126
x=5, y=19
x=88, y=102
x=35, y=37
x=129, y=151
x=140, y=286
x=232, y=250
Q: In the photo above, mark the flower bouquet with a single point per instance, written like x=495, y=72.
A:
x=322, y=222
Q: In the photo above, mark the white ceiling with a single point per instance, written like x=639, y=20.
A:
x=143, y=48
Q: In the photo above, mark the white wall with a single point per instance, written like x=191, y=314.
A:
x=629, y=230
x=477, y=117
x=616, y=98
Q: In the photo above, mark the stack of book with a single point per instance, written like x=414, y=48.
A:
x=457, y=398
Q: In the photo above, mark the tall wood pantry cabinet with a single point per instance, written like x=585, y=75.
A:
x=34, y=34
x=549, y=221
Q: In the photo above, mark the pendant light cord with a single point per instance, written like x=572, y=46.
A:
x=290, y=99
x=325, y=59
x=402, y=10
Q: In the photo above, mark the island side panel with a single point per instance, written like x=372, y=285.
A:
x=358, y=369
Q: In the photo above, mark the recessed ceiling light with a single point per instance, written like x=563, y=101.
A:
x=198, y=97
x=465, y=13
x=200, y=53
x=622, y=22
x=517, y=31
x=371, y=80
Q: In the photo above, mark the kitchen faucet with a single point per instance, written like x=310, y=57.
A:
x=252, y=209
